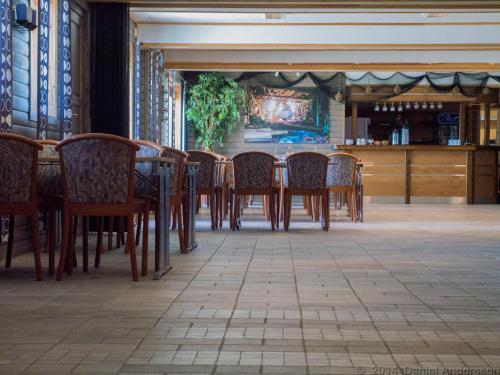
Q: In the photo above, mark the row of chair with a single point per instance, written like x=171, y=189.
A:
x=96, y=176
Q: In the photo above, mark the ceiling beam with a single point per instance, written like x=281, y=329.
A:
x=334, y=67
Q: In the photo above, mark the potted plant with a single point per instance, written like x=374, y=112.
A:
x=214, y=104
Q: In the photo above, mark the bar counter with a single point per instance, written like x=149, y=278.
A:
x=428, y=173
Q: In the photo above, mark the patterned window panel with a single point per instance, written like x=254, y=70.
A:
x=5, y=85
x=65, y=89
x=43, y=68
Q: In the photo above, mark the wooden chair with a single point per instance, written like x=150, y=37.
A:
x=306, y=176
x=207, y=182
x=18, y=189
x=144, y=189
x=98, y=180
x=178, y=192
x=253, y=175
x=50, y=195
x=342, y=178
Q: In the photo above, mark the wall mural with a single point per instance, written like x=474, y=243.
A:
x=43, y=68
x=65, y=113
x=286, y=115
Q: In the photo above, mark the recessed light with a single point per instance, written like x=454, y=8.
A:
x=434, y=15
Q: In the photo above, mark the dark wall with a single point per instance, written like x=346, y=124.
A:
x=109, y=96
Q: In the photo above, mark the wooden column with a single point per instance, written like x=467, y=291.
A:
x=487, y=124
x=498, y=126
x=354, y=127
x=470, y=176
x=462, y=121
x=474, y=124
x=407, y=176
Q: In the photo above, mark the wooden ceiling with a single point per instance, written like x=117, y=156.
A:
x=321, y=4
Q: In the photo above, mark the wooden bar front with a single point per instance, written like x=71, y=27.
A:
x=428, y=174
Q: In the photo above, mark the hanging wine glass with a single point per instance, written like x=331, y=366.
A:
x=424, y=105
x=408, y=106
x=393, y=108
x=400, y=107
x=377, y=107
x=416, y=105
x=440, y=106
x=384, y=108
x=431, y=105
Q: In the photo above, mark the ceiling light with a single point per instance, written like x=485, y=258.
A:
x=434, y=15
x=275, y=16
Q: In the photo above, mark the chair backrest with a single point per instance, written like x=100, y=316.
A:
x=180, y=158
x=208, y=168
x=98, y=169
x=49, y=175
x=146, y=179
x=307, y=171
x=341, y=169
x=18, y=169
x=253, y=171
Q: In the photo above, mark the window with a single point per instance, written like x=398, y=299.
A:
x=53, y=65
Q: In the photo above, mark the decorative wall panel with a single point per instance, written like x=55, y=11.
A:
x=137, y=90
x=65, y=91
x=6, y=67
x=5, y=85
x=43, y=68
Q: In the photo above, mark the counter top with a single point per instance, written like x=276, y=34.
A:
x=411, y=147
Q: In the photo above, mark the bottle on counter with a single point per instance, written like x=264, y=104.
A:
x=405, y=133
x=395, y=137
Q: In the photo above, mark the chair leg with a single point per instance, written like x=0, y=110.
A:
x=145, y=239
x=69, y=259
x=277, y=209
x=85, y=250
x=64, y=245
x=231, y=208
x=99, y=247
x=272, y=211
x=138, y=229
x=326, y=211
x=10, y=242
x=51, y=230
x=36, y=246
x=110, y=232
x=122, y=230
x=100, y=235
x=157, y=240
x=213, y=210
x=287, y=213
x=174, y=217
x=182, y=225
x=131, y=247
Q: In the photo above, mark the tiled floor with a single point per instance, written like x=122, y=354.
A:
x=412, y=287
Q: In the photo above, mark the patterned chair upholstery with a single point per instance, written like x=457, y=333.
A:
x=341, y=170
x=18, y=189
x=177, y=172
x=307, y=177
x=49, y=175
x=98, y=180
x=307, y=171
x=207, y=172
x=143, y=188
x=253, y=171
x=97, y=171
x=253, y=174
x=16, y=170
